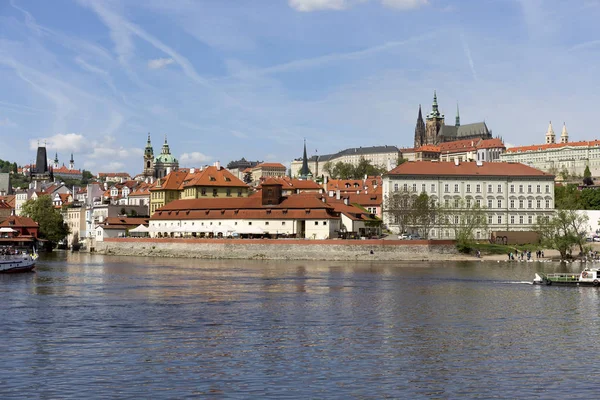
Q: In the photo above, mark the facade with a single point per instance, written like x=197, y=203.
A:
x=291, y=186
x=485, y=150
x=74, y=217
x=564, y=158
x=40, y=173
x=5, y=185
x=238, y=168
x=113, y=177
x=268, y=170
x=379, y=156
x=213, y=181
x=65, y=172
x=166, y=189
x=513, y=195
x=435, y=131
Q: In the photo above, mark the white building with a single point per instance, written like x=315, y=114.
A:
x=566, y=157
x=514, y=195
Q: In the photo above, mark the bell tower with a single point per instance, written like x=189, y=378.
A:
x=433, y=123
x=550, y=137
x=148, y=159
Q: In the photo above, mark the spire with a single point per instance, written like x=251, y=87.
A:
x=419, y=130
x=304, y=171
x=435, y=112
x=165, y=147
x=550, y=138
x=457, y=122
x=564, y=136
x=148, y=151
x=71, y=160
x=56, y=158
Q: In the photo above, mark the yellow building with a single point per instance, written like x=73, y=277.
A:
x=166, y=189
x=213, y=181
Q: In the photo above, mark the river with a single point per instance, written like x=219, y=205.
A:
x=90, y=327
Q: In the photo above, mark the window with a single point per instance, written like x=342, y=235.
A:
x=422, y=187
x=249, y=222
x=324, y=222
x=478, y=188
x=239, y=192
x=489, y=203
x=529, y=204
x=530, y=219
x=282, y=223
x=266, y=223
x=456, y=188
x=490, y=219
x=478, y=202
x=316, y=222
x=395, y=187
x=455, y=203
x=456, y=221
x=499, y=219
x=539, y=188
x=468, y=188
x=446, y=190
x=512, y=204
x=499, y=203
x=547, y=203
x=521, y=219
x=520, y=203
x=432, y=188
x=468, y=203
x=528, y=188
x=405, y=187
x=547, y=188
x=512, y=219
x=203, y=191
x=446, y=203
x=499, y=188
x=489, y=188
x=215, y=192
x=539, y=204
x=520, y=188
x=414, y=187
x=229, y=192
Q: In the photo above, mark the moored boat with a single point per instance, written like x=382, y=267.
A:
x=587, y=277
x=17, y=263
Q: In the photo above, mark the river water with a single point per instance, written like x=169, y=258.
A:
x=87, y=327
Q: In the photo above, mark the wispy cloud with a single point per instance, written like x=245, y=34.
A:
x=7, y=123
x=159, y=63
x=467, y=51
x=61, y=142
x=319, y=5
x=405, y=4
x=194, y=158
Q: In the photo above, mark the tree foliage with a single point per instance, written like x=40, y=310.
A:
x=42, y=211
x=587, y=177
x=413, y=211
x=341, y=170
x=465, y=220
x=7, y=166
x=565, y=229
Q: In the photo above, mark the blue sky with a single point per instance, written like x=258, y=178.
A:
x=231, y=79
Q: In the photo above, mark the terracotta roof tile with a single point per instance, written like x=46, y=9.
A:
x=213, y=176
x=540, y=147
x=441, y=168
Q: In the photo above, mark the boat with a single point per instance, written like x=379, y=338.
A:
x=13, y=263
x=587, y=277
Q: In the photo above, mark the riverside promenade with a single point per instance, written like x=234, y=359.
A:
x=284, y=249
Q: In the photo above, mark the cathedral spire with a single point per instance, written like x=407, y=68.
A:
x=304, y=171
x=419, y=130
x=435, y=112
x=457, y=122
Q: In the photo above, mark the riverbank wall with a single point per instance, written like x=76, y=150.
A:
x=281, y=249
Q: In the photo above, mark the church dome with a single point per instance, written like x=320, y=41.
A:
x=166, y=159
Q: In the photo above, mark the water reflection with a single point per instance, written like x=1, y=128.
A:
x=171, y=328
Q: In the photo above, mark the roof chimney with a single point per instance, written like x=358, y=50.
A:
x=346, y=200
x=337, y=194
x=192, y=170
x=456, y=162
x=217, y=165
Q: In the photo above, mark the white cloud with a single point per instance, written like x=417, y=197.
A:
x=404, y=4
x=193, y=158
x=7, y=123
x=113, y=167
x=160, y=63
x=314, y=5
x=239, y=135
x=61, y=142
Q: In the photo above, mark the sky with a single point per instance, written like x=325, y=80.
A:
x=229, y=79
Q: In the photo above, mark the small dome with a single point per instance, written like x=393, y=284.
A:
x=166, y=159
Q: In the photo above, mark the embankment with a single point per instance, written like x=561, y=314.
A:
x=283, y=249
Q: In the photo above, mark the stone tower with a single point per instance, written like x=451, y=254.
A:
x=564, y=136
x=457, y=120
x=55, y=165
x=71, y=162
x=550, y=138
x=148, y=159
x=433, y=123
x=419, y=130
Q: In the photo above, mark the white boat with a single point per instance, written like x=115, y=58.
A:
x=587, y=277
x=17, y=263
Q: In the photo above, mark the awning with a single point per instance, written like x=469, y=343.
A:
x=141, y=228
x=5, y=229
x=246, y=230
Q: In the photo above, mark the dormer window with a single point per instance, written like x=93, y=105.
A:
x=213, y=179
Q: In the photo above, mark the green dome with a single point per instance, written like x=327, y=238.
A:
x=166, y=159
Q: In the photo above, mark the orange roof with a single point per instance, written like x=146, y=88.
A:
x=430, y=148
x=9, y=199
x=470, y=145
x=173, y=181
x=491, y=143
x=371, y=185
x=65, y=170
x=270, y=165
x=441, y=168
x=213, y=176
x=292, y=183
x=21, y=222
x=541, y=147
x=5, y=205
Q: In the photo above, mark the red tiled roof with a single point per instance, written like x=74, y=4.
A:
x=270, y=165
x=20, y=222
x=540, y=147
x=113, y=175
x=292, y=183
x=173, y=181
x=66, y=171
x=490, y=144
x=213, y=176
x=9, y=199
x=429, y=147
x=441, y=168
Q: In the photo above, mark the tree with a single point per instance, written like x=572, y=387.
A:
x=398, y=207
x=587, y=177
x=401, y=161
x=562, y=231
x=50, y=220
x=86, y=177
x=423, y=214
x=464, y=221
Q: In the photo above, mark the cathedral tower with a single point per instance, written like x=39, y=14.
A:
x=419, y=130
x=550, y=138
x=435, y=120
x=148, y=159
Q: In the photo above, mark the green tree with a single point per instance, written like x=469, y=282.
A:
x=401, y=161
x=587, y=177
x=86, y=177
x=398, y=208
x=423, y=214
x=562, y=231
x=50, y=220
x=464, y=221
x=568, y=197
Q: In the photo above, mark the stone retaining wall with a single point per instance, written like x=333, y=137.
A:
x=280, y=249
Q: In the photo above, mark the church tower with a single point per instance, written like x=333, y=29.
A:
x=165, y=162
x=457, y=120
x=435, y=120
x=550, y=138
x=564, y=136
x=148, y=159
x=305, y=171
x=71, y=162
x=55, y=165
x=419, y=130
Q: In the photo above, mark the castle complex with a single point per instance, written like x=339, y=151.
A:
x=434, y=130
